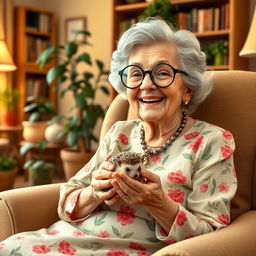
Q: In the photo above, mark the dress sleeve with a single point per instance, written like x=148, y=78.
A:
x=214, y=184
x=81, y=180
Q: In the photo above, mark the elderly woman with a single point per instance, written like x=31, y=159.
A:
x=189, y=169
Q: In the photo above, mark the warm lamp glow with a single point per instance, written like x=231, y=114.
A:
x=6, y=62
x=249, y=49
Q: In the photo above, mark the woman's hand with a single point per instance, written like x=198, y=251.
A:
x=102, y=188
x=137, y=193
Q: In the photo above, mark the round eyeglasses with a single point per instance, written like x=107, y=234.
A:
x=162, y=75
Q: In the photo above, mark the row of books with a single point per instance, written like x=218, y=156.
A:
x=208, y=19
x=34, y=46
x=36, y=87
x=39, y=22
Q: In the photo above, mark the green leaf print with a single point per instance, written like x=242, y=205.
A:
x=206, y=132
x=225, y=200
x=100, y=220
x=151, y=225
x=207, y=154
x=128, y=235
x=187, y=156
x=165, y=159
x=94, y=246
x=116, y=232
x=185, y=144
x=213, y=186
x=127, y=149
x=119, y=148
x=152, y=239
x=15, y=252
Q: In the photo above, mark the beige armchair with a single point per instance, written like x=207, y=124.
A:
x=232, y=105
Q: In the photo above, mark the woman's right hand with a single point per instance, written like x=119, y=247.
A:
x=102, y=188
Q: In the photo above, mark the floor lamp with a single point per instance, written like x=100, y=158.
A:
x=6, y=62
x=249, y=49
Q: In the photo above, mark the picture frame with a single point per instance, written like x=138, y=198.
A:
x=74, y=23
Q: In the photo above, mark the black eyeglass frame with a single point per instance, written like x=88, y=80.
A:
x=144, y=72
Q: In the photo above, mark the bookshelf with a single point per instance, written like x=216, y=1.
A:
x=229, y=28
x=35, y=31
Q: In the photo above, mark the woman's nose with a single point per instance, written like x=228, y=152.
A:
x=147, y=83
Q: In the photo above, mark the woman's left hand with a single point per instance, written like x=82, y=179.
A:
x=137, y=193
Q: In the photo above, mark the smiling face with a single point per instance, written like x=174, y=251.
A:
x=151, y=103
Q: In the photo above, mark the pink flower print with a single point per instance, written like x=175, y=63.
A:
x=52, y=233
x=234, y=173
x=117, y=253
x=223, y=187
x=181, y=218
x=123, y=138
x=125, y=215
x=78, y=233
x=177, y=177
x=104, y=234
x=108, y=157
x=227, y=135
x=227, y=151
x=18, y=237
x=88, y=166
x=196, y=144
x=112, y=128
x=177, y=195
x=223, y=219
x=136, y=246
x=204, y=188
x=66, y=248
x=191, y=135
x=143, y=253
x=155, y=158
x=41, y=249
x=170, y=241
x=2, y=245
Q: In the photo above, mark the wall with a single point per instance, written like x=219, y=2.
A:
x=252, y=63
x=99, y=16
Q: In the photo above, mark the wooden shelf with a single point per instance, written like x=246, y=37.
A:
x=37, y=33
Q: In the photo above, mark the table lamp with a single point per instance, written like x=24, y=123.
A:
x=249, y=49
x=6, y=62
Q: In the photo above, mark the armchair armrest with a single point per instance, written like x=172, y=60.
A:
x=28, y=209
x=239, y=238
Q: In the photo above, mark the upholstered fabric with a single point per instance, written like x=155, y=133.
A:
x=231, y=105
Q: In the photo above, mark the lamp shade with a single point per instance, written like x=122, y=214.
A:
x=249, y=49
x=6, y=62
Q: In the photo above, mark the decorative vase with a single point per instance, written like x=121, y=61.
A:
x=34, y=131
x=73, y=161
x=7, y=179
x=52, y=132
x=40, y=176
x=218, y=59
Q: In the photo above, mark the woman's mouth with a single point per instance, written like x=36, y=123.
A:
x=151, y=100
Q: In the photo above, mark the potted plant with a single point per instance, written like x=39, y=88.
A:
x=9, y=98
x=8, y=171
x=83, y=86
x=161, y=8
x=219, y=49
x=40, y=111
x=40, y=171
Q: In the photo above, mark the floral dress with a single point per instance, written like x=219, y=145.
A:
x=196, y=172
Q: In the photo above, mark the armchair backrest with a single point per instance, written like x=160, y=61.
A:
x=231, y=105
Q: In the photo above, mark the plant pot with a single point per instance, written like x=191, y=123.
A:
x=73, y=161
x=40, y=176
x=10, y=118
x=218, y=59
x=52, y=132
x=7, y=179
x=34, y=131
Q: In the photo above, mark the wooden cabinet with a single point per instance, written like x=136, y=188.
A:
x=35, y=30
x=234, y=33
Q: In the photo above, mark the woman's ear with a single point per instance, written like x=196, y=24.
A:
x=187, y=96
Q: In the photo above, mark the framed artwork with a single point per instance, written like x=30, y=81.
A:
x=76, y=23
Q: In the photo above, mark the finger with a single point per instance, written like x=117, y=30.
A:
x=108, y=166
x=112, y=200
x=101, y=185
x=122, y=189
x=102, y=174
x=105, y=195
x=150, y=176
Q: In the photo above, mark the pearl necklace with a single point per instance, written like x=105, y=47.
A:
x=154, y=151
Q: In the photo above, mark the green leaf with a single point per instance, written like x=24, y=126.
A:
x=100, y=65
x=91, y=118
x=34, y=117
x=83, y=32
x=116, y=232
x=105, y=90
x=207, y=154
x=72, y=139
x=187, y=156
x=128, y=235
x=151, y=225
x=165, y=159
x=46, y=55
x=30, y=107
x=55, y=72
x=89, y=91
x=28, y=163
x=70, y=49
x=85, y=57
x=206, y=132
x=100, y=220
x=152, y=239
x=37, y=164
x=42, y=144
x=25, y=148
